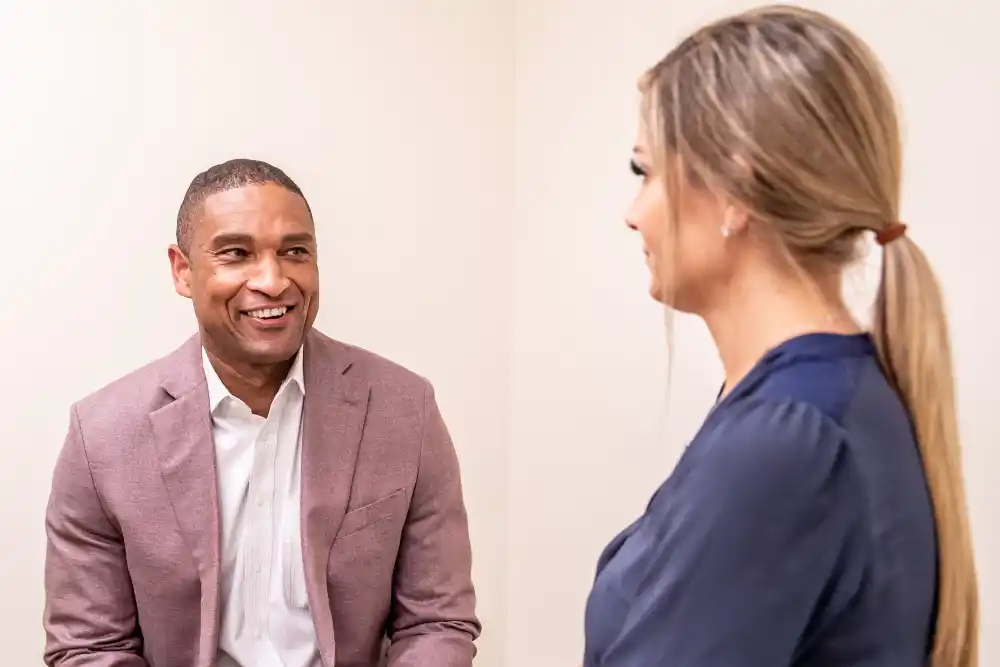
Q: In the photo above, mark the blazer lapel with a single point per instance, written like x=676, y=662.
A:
x=183, y=433
x=333, y=418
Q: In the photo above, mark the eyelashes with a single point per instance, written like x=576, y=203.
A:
x=636, y=169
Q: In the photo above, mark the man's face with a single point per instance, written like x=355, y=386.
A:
x=251, y=273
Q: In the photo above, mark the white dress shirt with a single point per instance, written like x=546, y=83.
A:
x=265, y=619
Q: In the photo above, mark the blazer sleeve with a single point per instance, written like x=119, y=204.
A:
x=758, y=539
x=90, y=612
x=433, y=622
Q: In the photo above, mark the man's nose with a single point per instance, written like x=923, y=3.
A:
x=268, y=277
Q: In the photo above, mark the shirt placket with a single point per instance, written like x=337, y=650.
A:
x=261, y=533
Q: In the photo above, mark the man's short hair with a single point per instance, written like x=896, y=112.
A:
x=220, y=178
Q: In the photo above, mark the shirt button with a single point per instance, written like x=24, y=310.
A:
x=260, y=501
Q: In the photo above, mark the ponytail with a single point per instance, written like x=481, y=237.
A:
x=911, y=334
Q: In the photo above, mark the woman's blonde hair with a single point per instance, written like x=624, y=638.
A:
x=788, y=112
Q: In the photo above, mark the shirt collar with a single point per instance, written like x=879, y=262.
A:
x=217, y=391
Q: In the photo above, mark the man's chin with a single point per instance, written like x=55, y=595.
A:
x=269, y=352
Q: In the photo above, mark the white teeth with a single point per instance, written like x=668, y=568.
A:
x=266, y=313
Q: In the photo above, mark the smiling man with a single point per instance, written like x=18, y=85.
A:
x=264, y=496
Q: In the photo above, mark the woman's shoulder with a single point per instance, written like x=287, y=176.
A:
x=763, y=435
x=758, y=454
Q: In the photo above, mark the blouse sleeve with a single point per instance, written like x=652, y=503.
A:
x=760, y=533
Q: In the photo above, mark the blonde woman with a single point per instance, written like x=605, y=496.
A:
x=818, y=518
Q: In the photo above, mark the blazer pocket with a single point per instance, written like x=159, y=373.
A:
x=362, y=517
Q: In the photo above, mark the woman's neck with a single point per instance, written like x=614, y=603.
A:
x=760, y=312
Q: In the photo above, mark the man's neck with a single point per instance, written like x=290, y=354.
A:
x=255, y=385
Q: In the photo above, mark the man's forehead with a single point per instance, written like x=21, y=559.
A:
x=249, y=218
x=254, y=199
x=257, y=225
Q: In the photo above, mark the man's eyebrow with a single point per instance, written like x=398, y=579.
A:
x=235, y=238
x=230, y=238
x=299, y=237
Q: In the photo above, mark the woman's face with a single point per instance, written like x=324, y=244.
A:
x=686, y=264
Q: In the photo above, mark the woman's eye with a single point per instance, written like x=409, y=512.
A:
x=636, y=169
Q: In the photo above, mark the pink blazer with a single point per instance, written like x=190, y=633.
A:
x=132, y=566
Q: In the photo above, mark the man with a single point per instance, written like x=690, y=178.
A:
x=264, y=496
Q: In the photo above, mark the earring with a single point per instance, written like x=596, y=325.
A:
x=727, y=227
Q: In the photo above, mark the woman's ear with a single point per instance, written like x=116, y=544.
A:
x=735, y=220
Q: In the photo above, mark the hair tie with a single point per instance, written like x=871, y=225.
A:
x=890, y=233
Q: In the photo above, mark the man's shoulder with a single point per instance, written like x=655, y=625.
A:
x=133, y=395
x=373, y=369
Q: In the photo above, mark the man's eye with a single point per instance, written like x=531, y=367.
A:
x=298, y=251
x=235, y=253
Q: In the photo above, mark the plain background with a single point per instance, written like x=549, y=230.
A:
x=467, y=164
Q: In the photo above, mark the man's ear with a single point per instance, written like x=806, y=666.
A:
x=180, y=269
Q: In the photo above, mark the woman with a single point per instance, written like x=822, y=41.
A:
x=818, y=518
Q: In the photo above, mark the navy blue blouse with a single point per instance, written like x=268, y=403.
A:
x=796, y=530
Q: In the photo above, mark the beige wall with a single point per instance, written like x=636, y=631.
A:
x=498, y=200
